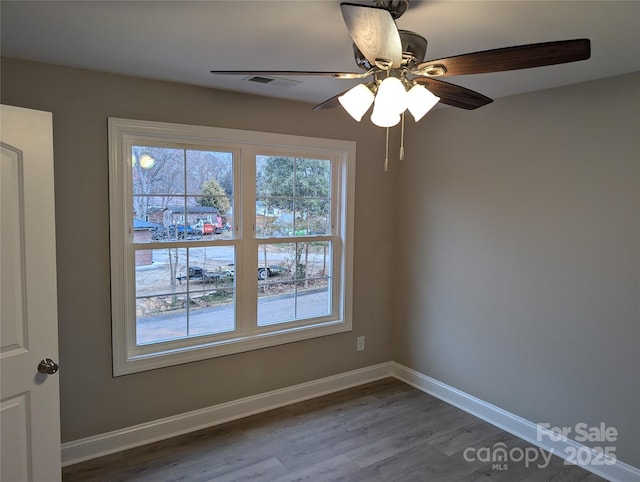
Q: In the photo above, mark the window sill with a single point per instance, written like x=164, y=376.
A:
x=138, y=362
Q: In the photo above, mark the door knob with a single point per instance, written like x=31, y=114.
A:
x=48, y=366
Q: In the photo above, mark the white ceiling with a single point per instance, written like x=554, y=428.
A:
x=182, y=40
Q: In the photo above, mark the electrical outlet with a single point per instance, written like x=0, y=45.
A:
x=360, y=343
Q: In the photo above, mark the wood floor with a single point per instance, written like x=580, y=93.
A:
x=386, y=431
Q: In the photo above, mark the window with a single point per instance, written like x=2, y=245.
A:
x=225, y=241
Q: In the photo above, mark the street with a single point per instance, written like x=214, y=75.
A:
x=220, y=319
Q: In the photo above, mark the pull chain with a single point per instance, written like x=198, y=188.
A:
x=402, y=140
x=386, y=154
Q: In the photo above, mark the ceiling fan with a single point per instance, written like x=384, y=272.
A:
x=400, y=77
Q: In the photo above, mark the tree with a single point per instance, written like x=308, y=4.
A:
x=284, y=178
x=298, y=186
x=213, y=195
x=156, y=184
x=209, y=164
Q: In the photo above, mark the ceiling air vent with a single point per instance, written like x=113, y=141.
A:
x=260, y=80
x=275, y=81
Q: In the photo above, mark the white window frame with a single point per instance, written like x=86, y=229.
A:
x=123, y=134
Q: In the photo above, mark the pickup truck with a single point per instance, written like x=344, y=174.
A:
x=205, y=228
x=271, y=270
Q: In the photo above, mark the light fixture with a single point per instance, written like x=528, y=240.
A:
x=357, y=101
x=390, y=99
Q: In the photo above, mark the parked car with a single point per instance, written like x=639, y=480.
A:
x=159, y=234
x=180, y=231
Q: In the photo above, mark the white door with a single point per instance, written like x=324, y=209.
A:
x=30, y=401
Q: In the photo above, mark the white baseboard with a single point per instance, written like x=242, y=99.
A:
x=518, y=426
x=145, y=433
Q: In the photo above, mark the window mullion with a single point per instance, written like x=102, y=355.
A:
x=185, y=224
x=247, y=258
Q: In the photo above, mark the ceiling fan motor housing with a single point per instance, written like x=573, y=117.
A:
x=414, y=49
x=396, y=7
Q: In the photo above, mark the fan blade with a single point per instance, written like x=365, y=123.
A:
x=292, y=73
x=454, y=95
x=514, y=58
x=374, y=32
x=330, y=103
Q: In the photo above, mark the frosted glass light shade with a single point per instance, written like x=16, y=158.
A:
x=391, y=101
x=392, y=95
x=384, y=117
x=357, y=101
x=420, y=101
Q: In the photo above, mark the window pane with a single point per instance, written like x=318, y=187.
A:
x=292, y=196
x=211, y=216
x=314, y=260
x=314, y=301
x=210, y=267
x=159, y=273
x=274, y=176
x=209, y=173
x=294, y=281
x=161, y=318
x=157, y=170
x=278, y=259
x=276, y=303
x=211, y=312
x=274, y=218
x=185, y=292
x=312, y=217
x=312, y=178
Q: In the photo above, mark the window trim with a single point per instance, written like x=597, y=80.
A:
x=124, y=132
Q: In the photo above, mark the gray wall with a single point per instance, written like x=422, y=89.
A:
x=519, y=242
x=92, y=401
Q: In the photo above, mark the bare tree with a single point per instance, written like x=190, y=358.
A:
x=156, y=182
